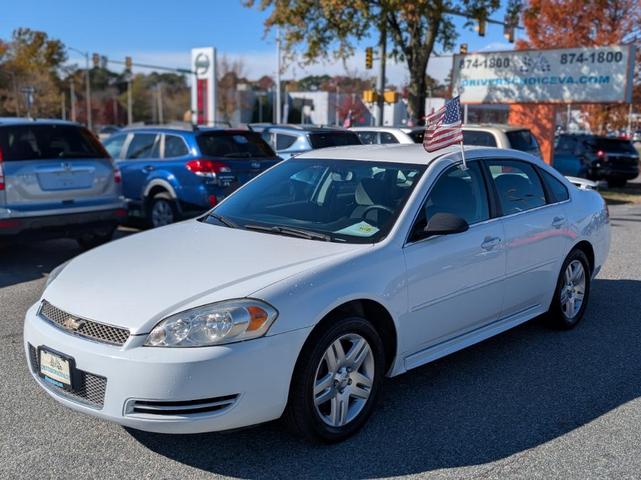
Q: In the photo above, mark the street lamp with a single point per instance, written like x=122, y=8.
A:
x=87, y=85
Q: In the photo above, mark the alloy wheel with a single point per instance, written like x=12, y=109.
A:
x=344, y=379
x=161, y=213
x=573, y=289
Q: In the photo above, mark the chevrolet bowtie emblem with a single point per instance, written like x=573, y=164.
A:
x=73, y=323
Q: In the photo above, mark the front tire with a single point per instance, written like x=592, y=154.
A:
x=572, y=292
x=336, y=381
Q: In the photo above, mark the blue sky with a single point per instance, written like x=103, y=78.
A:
x=162, y=32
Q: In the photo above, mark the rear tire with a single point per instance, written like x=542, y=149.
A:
x=336, y=381
x=161, y=211
x=617, y=182
x=572, y=292
x=96, y=238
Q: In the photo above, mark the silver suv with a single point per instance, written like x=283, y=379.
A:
x=289, y=140
x=56, y=180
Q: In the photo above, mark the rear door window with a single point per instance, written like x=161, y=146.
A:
x=517, y=184
x=284, y=141
x=368, y=138
x=557, y=189
x=233, y=144
x=175, y=147
x=40, y=142
x=333, y=139
x=523, y=140
x=483, y=139
x=387, y=137
x=141, y=146
x=113, y=145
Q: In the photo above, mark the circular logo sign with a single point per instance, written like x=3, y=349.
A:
x=201, y=64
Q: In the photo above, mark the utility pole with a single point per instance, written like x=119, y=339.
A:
x=129, y=103
x=72, y=99
x=161, y=116
x=63, y=106
x=338, y=103
x=88, y=92
x=278, y=101
x=380, y=81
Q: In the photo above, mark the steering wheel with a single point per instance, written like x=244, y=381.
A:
x=376, y=207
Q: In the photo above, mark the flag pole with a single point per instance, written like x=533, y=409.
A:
x=464, y=166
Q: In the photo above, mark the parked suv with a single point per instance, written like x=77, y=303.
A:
x=290, y=140
x=56, y=180
x=590, y=156
x=170, y=173
x=501, y=136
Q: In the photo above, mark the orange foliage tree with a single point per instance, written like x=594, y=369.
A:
x=587, y=23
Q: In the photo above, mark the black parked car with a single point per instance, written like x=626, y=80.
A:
x=597, y=158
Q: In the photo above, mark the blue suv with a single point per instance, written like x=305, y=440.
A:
x=171, y=173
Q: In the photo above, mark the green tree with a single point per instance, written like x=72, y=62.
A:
x=318, y=29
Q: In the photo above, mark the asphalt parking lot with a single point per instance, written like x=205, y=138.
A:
x=530, y=403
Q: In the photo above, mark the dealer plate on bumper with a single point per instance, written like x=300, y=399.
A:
x=56, y=368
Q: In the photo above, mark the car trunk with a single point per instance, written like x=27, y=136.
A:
x=52, y=166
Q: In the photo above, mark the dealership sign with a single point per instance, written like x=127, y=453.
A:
x=203, y=87
x=569, y=75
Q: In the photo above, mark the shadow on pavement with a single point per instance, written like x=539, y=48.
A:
x=501, y=397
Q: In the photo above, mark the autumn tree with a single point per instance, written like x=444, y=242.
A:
x=231, y=73
x=321, y=29
x=31, y=59
x=586, y=23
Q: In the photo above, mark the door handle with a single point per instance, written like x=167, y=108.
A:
x=490, y=242
x=558, y=222
x=148, y=168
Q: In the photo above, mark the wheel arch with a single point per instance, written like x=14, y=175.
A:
x=374, y=312
x=587, y=248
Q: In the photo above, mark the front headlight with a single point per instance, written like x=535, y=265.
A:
x=214, y=324
x=55, y=272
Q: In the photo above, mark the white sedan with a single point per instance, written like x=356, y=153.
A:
x=297, y=294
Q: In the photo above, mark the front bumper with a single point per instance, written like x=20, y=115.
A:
x=252, y=377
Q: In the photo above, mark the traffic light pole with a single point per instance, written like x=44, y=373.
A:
x=380, y=81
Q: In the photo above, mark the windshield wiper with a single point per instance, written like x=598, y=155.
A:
x=224, y=220
x=293, y=232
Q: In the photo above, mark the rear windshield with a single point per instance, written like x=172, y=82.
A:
x=233, y=144
x=333, y=139
x=39, y=142
x=522, y=140
x=612, y=145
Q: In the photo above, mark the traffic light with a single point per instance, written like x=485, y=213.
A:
x=509, y=28
x=391, y=96
x=480, y=27
x=463, y=49
x=128, y=63
x=369, y=96
x=96, y=60
x=369, y=57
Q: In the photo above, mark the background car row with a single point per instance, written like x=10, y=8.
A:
x=57, y=179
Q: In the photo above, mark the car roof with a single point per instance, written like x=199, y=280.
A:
x=36, y=121
x=496, y=126
x=395, y=153
x=376, y=129
x=305, y=128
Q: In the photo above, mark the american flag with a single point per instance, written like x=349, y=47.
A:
x=444, y=126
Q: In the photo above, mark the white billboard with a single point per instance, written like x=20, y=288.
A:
x=569, y=75
x=203, y=88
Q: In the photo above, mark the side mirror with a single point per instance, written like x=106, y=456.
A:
x=445, y=224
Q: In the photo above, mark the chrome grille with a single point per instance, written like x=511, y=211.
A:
x=180, y=408
x=83, y=328
x=90, y=388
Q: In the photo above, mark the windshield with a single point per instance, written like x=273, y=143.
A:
x=612, y=145
x=38, y=142
x=345, y=200
x=231, y=144
x=333, y=139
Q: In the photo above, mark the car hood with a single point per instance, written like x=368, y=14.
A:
x=136, y=281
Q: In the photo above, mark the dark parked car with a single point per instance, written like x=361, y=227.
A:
x=171, y=173
x=56, y=180
x=597, y=158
